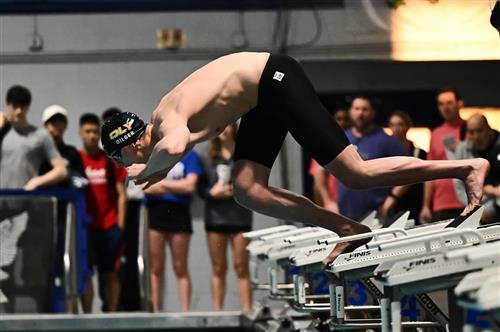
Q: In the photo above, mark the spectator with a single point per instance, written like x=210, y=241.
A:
x=130, y=293
x=342, y=118
x=410, y=197
x=371, y=142
x=492, y=183
x=55, y=120
x=168, y=203
x=325, y=188
x=225, y=221
x=109, y=113
x=481, y=142
x=24, y=147
x=106, y=201
x=440, y=201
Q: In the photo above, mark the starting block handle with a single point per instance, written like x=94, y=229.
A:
x=441, y=237
x=375, y=234
x=406, y=238
x=308, y=236
x=266, y=231
x=285, y=234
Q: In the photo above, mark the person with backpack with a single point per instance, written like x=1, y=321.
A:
x=55, y=121
x=130, y=297
x=106, y=204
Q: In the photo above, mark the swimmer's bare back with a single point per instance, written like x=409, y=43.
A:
x=214, y=96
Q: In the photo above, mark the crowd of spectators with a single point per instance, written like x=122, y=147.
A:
x=33, y=158
x=428, y=202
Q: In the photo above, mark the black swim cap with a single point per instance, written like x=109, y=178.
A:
x=119, y=131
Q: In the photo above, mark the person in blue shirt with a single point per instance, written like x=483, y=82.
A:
x=168, y=203
x=371, y=142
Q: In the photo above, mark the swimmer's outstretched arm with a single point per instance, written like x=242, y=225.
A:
x=171, y=148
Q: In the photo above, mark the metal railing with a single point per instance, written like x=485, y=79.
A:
x=143, y=262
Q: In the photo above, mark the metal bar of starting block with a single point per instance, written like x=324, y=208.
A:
x=122, y=321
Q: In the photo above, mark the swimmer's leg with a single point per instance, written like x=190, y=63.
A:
x=251, y=190
x=357, y=173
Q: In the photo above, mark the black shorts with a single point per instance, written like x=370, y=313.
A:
x=287, y=103
x=169, y=217
x=105, y=248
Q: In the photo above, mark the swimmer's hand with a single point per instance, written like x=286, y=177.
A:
x=134, y=172
x=153, y=179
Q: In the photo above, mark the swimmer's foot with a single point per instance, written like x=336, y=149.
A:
x=474, y=182
x=345, y=247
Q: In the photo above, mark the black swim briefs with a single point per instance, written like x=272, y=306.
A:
x=287, y=102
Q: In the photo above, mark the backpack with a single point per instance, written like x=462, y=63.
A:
x=3, y=131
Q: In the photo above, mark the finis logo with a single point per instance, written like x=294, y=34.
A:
x=314, y=251
x=358, y=254
x=121, y=129
x=290, y=246
x=419, y=262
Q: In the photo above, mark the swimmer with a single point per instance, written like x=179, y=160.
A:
x=273, y=96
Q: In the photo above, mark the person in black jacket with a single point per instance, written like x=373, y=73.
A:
x=55, y=121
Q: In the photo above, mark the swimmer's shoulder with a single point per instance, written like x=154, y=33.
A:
x=165, y=116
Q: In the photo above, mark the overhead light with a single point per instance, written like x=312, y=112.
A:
x=446, y=30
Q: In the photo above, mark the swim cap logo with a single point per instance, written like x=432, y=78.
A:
x=121, y=129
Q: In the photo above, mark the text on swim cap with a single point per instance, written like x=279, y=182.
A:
x=121, y=129
x=124, y=138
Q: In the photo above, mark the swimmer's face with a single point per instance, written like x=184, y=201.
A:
x=449, y=106
x=16, y=115
x=398, y=127
x=139, y=151
x=361, y=113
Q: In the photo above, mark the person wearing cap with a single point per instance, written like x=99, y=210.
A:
x=55, y=121
x=273, y=96
x=24, y=147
